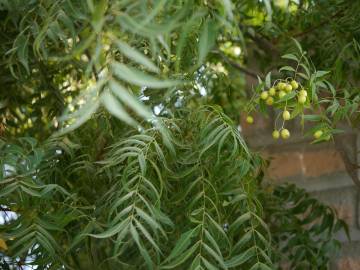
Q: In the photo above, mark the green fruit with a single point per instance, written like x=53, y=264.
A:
x=264, y=95
x=302, y=99
x=270, y=101
x=281, y=94
x=285, y=134
x=276, y=134
x=303, y=93
x=286, y=115
x=272, y=91
x=288, y=88
x=318, y=134
x=281, y=86
x=250, y=119
x=294, y=84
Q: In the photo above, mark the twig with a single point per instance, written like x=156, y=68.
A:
x=315, y=27
x=350, y=166
x=237, y=65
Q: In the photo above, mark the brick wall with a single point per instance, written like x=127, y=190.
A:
x=317, y=168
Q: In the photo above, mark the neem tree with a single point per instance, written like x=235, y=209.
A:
x=120, y=143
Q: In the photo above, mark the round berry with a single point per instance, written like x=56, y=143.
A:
x=301, y=99
x=250, y=119
x=288, y=88
x=303, y=92
x=272, y=91
x=318, y=134
x=281, y=86
x=294, y=84
x=285, y=134
x=286, y=115
x=282, y=94
x=276, y=134
x=270, y=101
x=264, y=95
x=327, y=137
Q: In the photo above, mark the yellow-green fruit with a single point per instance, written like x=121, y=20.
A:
x=327, y=137
x=294, y=84
x=270, y=101
x=272, y=91
x=286, y=115
x=264, y=95
x=281, y=86
x=318, y=134
x=276, y=134
x=301, y=99
x=285, y=134
x=250, y=119
x=282, y=94
x=288, y=88
x=303, y=93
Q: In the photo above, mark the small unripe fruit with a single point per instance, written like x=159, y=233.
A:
x=301, y=99
x=288, y=88
x=272, y=91
x=318, y=134
x=281, y=86
x=285, y=134
x=276, y=134
x=250, y=119
x=294, y=84
x=264, y=95
x=286, y=115
x=327, y=137
x=270, y=101
x=303, y=93
x=282, y=94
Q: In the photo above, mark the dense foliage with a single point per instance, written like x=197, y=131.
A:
x=120, y=144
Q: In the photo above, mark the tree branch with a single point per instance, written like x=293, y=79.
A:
x=237, y=65
x=351, y=167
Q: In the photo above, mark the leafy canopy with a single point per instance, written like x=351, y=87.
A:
x=121, y=147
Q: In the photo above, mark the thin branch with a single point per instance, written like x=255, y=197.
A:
x=237, y=65
x=315, y=27
x=350, y=166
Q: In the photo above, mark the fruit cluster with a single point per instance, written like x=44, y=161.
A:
x=285, y=95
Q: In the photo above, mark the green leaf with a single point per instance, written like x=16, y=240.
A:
x=113, y=230
x=22, y=51
x=268, y=80
x=145, y=254
x=320, y=73
x=228, y=7
x=216, y=256
x=240, y=220
x=207, y=39
x=147, y=235
x=183, y=243
x=136, y=56
x=208, y=265
x=181, y=258
x=134, y=76
x=116, y=109
x=128, y=99
x=290, y=56
x=241, y=258
x=312, y=117
x=287, y=68
x=297, y=45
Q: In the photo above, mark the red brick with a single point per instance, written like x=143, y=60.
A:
x=345, y=212
x=260, y=123
x=306, y=163
x=348, y=264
